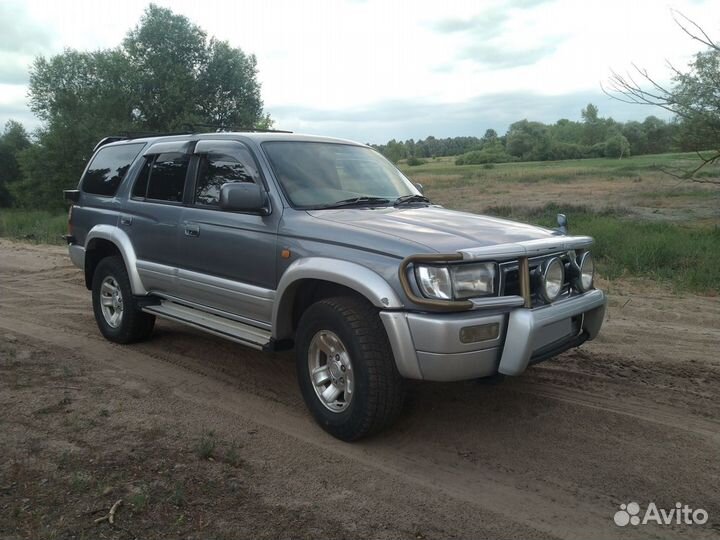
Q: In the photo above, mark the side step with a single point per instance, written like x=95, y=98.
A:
x=257, y=338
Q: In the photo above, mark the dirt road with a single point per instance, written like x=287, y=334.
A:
x=202, y=438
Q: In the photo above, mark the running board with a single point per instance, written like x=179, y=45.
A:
x=257, y=338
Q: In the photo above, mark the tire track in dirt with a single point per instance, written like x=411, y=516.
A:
x=444, y=473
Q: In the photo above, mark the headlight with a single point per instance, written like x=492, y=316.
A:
x=584, y=282
x=456, y=282
x=553, y=276
x=470, y=280
x=434, y=281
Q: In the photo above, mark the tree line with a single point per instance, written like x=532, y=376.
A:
x=526, y=140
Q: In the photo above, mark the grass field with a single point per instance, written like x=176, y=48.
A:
x=36, y=226
x=645, y=222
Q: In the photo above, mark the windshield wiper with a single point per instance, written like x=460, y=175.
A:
x=355, y=201
x=405, y=199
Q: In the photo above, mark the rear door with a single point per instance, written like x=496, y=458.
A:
x=228, y=258
x=152, y=215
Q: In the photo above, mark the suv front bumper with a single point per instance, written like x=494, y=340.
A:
x=428, y=345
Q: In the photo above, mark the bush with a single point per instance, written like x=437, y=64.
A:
x=491, y=153
x=563, y=150
x=594, y=151
x=413, y=161
x=617, y=147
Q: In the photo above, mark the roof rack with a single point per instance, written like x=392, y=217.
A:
x=129, y=135
x=220, y=127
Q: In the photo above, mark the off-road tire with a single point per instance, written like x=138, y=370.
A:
x=135, y=325
x=379, y=390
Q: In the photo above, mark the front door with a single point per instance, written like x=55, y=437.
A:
x=228, y=258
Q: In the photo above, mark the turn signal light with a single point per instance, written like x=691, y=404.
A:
x=481, y=332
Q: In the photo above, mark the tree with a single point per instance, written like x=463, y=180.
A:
x=589, y=114
x=693, y=97
x=164, y=76
x=13, y=141
x=490, y=136
x=528, y=141
x=165, y=54
x=395, y=151
x=229, y=94
x=636, y=137
x=617, y=146
x=594, y=128
x=658, y=134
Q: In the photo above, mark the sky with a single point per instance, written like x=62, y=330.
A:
x=372, y=70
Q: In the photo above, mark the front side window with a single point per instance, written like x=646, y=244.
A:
x=108, y=168
x=222, y=167
x=162, y=178
x=314, y=175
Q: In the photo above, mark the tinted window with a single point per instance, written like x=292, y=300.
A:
x=108, y=168
x=167, y=177
x=141, y=184
x=218, y=168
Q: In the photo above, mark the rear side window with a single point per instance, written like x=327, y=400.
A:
x=108, y=168
x=162, y=178
x=218, y=168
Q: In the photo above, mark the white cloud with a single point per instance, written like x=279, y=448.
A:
x=338, y=57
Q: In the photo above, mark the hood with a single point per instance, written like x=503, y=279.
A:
x=437, y=228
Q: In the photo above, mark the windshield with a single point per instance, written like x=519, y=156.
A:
x=316, y=174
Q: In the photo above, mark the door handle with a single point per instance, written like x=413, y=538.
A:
x=192, y=230
x=126, y=220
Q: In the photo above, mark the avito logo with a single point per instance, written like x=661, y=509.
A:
x=629, y=514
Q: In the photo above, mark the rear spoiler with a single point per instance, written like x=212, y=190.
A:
x=72, y=195
x=108, y=140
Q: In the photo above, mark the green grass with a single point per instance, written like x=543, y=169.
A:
x=688, y=257
x=557, y=171
x=205, y=447
x=36, y=226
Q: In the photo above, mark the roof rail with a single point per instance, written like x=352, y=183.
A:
x=220, y=127
x=129, y=135
x=143, y=134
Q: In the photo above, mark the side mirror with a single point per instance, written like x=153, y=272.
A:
x=244, y=197
x=420, y=188
x=562, y=224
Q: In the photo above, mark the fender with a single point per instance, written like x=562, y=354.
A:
x=352, y=275
x=122, y=242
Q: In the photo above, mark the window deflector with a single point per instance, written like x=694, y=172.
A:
x=170, y=147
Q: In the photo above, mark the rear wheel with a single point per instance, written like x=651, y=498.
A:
x=117, y=313
x=346, y=369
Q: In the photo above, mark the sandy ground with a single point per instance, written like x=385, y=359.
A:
x=202, y=438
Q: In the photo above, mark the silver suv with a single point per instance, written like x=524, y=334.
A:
x=278, y=241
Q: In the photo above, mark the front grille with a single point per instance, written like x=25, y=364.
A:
x=510, y=281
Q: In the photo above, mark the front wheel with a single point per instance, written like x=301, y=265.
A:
x=117, y=314
x=346, y=369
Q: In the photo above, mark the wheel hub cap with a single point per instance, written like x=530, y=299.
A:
x=111, y=302
x=330, y=371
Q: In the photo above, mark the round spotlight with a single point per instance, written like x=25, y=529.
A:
x=553, y=277
x=586, y=265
